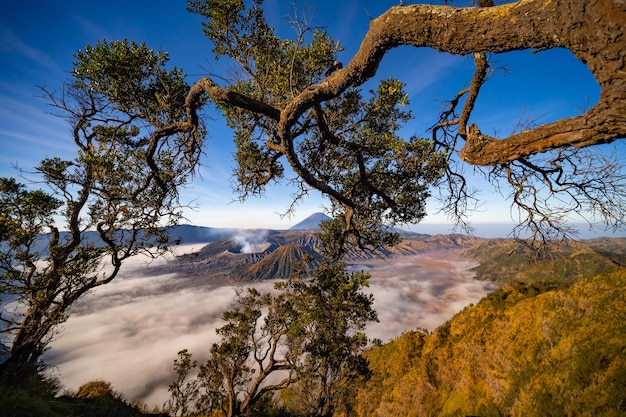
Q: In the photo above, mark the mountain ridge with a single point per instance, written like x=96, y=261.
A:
x=263, y=260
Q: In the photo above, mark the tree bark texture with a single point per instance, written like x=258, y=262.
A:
x=593, y=30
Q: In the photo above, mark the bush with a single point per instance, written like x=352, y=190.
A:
x=96, y=389
x=27, y=392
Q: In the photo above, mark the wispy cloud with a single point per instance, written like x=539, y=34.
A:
x=421, y=291
x=28, y=134
x=12, y=44
x=90, y=28
x=424, y=68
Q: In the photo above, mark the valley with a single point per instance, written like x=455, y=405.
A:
x=129, y=331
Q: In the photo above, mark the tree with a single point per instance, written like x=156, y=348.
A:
x=183, y=390
x=333, y=312
x=283, y=105
x=248, y=353
x=23, y=215
x=135, y=149
x=309, y=334
x=254, y=346
x=345, y=145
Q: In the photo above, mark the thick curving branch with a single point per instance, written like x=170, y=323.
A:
x=593, y=128
x=593, y=31
x=220, y=94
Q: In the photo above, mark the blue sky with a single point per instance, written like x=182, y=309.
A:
x=38, y=39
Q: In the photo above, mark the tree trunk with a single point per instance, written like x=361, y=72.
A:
x=28, y=345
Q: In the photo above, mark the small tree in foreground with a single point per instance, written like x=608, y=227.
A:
x=309, y=335
x=135, y=150
x=333, y=312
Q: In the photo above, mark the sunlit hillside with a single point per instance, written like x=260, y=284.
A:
x=561, y=352
x=507, y=261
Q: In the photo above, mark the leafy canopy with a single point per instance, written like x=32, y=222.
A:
x=347, y=146
x=308, y=335
x=135, y=150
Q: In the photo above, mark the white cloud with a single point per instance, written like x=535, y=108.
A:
x=10, y=43
x=129, y=332
x=421, y=291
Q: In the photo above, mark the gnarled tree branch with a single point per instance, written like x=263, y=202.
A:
x=592, y=31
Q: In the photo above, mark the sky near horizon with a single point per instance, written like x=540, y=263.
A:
x=38, y=40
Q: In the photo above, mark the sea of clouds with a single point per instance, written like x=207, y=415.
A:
x=129, y=331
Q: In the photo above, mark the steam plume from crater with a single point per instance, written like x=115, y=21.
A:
x=250, y=241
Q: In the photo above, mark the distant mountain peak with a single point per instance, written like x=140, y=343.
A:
x=312, y=222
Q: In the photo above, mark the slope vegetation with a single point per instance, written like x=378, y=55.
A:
x=522, y=351
x=507, y=261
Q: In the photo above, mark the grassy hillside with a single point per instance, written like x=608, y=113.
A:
x=522, y=351
x=508, y=261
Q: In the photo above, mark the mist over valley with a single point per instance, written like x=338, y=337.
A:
x=129, y=331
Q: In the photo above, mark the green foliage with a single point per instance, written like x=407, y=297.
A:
x=347, y=146
x=308, y=336
x=20, y=402
x=27, y=392
x=272, y=69
x=133, y=79
x=24, y=215
x=332, y=314
x=386, y=177
x=30, y=391
x=134, y=151
x=183, y=390
x=518, y=353
x=234, y=378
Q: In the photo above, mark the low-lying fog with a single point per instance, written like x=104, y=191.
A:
x=129, y=331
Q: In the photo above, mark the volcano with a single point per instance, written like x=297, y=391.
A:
x=312, y=222
x=260, y=254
